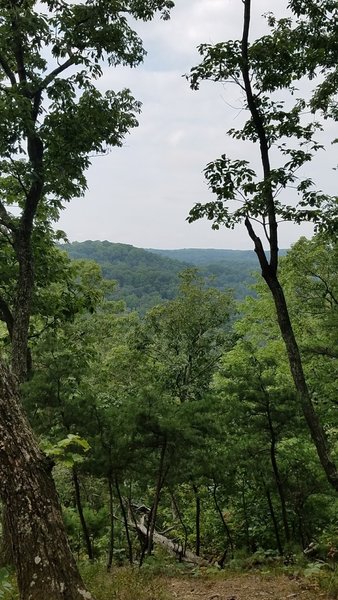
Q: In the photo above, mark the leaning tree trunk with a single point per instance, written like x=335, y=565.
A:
x=44, y=564
x=296, y=367
x=172, y=546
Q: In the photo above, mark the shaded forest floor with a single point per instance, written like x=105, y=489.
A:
x=134, y=584
x=244, y=587
x=146, y=584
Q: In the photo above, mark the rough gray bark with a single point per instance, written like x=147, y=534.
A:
x=44, y=563
x=39, y=548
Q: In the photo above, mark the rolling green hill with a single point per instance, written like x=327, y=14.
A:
x=147, y=277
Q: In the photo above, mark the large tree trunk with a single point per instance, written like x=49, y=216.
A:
x=44, y=564
x=23, y=300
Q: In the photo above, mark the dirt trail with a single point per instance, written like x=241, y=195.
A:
x=244, y=587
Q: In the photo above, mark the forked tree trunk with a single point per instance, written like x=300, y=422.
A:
x=45, y=567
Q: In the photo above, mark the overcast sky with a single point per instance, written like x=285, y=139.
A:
x=141, y=194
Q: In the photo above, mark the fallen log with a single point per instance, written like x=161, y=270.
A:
x=173, y=547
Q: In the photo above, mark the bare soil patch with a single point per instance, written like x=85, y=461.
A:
x=244, y=587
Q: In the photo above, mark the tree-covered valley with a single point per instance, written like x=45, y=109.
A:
x=168, y=419
x=147, y=277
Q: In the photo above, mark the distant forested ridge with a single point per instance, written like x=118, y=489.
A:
x=209, y=256
x=147, y=277
x=233, y=269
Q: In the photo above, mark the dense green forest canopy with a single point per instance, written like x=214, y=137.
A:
x=192, y=414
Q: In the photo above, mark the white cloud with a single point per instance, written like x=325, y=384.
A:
x=141, y=194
